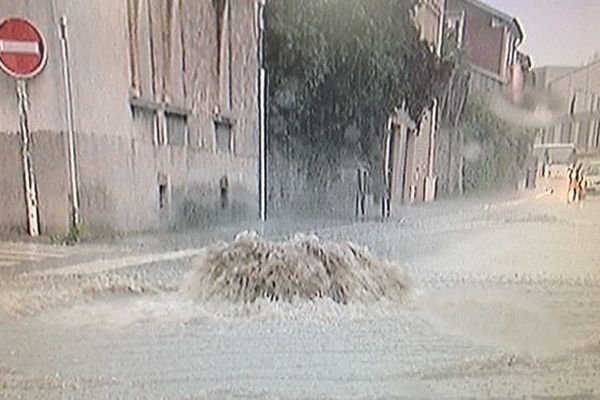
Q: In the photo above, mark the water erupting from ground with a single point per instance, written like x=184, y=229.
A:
x=303, y=268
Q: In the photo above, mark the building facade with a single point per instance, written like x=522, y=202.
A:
x=487, y=41
x=161, y=98
x=576, y=95
x=490, y=39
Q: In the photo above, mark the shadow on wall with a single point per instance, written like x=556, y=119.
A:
x=297, y=189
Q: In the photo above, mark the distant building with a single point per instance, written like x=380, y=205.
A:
x=164, y=106
x=576, y=91
x=490, y=38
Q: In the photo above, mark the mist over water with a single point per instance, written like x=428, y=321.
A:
x=535, y=108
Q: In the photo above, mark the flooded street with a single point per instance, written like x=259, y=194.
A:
x=299, y=199
x=504, y=303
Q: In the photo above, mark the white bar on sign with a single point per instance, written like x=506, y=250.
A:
x=21, y=47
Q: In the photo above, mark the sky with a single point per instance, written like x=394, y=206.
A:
x=558, y=32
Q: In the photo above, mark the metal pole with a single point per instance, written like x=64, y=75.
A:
x=438, y=48
x=262, y=113
x=31, y=200
x=75, y=212
x=263, y=148
x=229, y=58
x=432, y=133
x=386, y=206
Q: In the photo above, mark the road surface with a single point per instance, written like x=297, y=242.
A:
x=504, y=303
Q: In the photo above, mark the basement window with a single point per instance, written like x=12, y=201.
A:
x=163, y=195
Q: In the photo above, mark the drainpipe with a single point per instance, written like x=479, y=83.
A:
x=438, y=48
x=71, y=153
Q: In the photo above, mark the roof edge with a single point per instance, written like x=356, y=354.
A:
x=514, y=23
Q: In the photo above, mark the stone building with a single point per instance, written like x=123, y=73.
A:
x=161, y=97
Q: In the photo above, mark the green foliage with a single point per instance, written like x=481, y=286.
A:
x=496, y=150
x=74, y=235
x=452, y=51
x=340, y=63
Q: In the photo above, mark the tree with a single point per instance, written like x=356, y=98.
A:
x=452, y=106
x=341, y=64
x=498, y=149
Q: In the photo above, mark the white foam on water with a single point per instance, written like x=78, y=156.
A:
x=251, y=269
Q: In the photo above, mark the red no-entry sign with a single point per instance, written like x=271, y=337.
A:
x=22, y=48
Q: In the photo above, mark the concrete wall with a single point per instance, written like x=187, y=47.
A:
x=12, y=197
x=49, y=160
x=422, y=157
x=119, y=161
x=46, y=121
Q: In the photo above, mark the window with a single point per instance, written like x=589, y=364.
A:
x=497, y=23
x=511, y=52
x=156, y=65
x=455, y=22
x=170, y=128
x=546, y=133
x=565, y=133
x=223, y=137
x=583, y=133
x=573, y=104
x=176, y=129
x=141, y=46
x=155, y=47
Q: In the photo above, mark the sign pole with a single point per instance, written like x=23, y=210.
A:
x=28, y=174
x=23, y=55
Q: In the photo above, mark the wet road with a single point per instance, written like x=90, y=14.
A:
x=504, y=304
